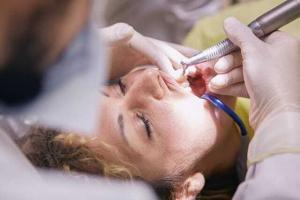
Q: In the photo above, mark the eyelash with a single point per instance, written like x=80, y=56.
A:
x=122, y=86
x=146, y=124
x=140, y=116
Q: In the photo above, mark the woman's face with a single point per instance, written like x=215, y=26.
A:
x=158, y=127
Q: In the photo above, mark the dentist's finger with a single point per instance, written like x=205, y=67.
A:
x=154, y=53
x=186, y=51
x=225, y=80
x=237, y=90
x=124, y=34
x=173, y=54
x=117, y=34
x=240, y=34
x=228, y=62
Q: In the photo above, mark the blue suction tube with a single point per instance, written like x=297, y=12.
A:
x=219, y=104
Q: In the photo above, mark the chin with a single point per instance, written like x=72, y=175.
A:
x=218, y=116
x=198, y=86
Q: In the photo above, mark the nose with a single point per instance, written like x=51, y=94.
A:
x=147, y=84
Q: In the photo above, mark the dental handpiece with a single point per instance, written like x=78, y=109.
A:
x=271, y=21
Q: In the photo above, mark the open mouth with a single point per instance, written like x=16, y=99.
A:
x=199, y=79
x=197, y=84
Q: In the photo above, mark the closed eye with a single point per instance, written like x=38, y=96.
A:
x=122, y=86
x=147, y=124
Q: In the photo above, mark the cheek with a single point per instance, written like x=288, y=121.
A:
x=190, y=126
x=107, y=123
x=200, y=128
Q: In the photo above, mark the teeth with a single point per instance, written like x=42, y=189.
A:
x=191, y=70
x=177, y=73
x=178, y=76
x=185, y=84
x=187, y=89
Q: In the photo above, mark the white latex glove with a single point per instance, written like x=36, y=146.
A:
x=129, y=49
x=268, y=71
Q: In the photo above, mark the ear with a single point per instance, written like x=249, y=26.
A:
x=189, y=189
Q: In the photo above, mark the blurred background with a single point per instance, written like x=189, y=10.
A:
x=168, y=20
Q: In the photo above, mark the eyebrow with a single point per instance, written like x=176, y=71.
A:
x=104, y=93
x=121, y=127
x=112, y=82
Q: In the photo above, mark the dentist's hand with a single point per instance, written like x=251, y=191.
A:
x=267, y=71
x=129, y=49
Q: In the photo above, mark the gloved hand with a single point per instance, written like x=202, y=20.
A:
x=129, y=49
x=267, y=71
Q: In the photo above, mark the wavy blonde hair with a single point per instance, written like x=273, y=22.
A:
x=48, y=148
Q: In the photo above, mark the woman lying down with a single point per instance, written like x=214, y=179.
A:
x=151, y=129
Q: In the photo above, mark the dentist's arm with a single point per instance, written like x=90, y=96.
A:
x=269, y=73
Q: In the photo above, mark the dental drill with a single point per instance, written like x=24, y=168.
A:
x=271, y=21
